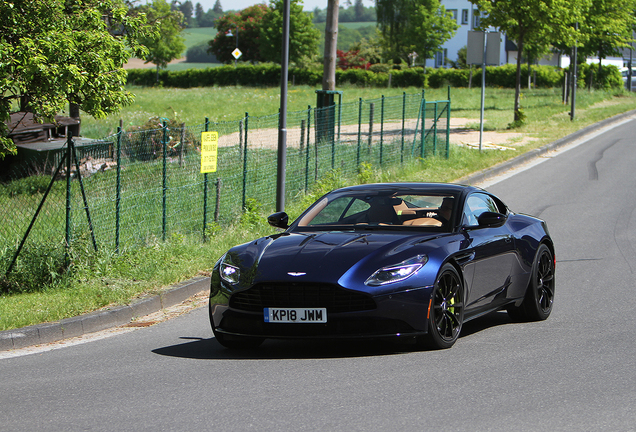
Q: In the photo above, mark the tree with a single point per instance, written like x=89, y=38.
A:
x=533, y=22
x=186, y=9
x=169, y=23
x=331, y=42
x=414, y=25
x=57, y=52
x=218, y=9
x=248, y=24
x=304, y=36
x=608, y=27
x=198, y=14
x=358, y=8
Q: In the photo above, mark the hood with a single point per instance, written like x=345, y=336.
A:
x=323, y=256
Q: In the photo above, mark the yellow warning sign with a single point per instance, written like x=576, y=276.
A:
x=209, y=151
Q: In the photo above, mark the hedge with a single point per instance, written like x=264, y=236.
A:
x=268, y=74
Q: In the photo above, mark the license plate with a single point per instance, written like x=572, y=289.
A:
x=295, y=315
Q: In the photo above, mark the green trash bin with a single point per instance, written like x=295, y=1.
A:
x=326, y=114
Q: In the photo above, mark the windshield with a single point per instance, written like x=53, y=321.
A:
x=407, y=211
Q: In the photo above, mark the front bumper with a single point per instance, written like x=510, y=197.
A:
x=395, y=314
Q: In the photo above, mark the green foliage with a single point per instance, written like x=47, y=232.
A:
x=212, y=229
x=252, y=214
x=365, y=173
x=420, y=26
x=412, y=77
x=268, y=74
x=145, y=142
x=608, y=27
x=350, y=38
x=303, y=36
x=608, y=78
x=536, y=23
x=245, y=28
x=39, y=266
x=199, y=54
x=207, y=18
x=55, y=52
x=167, y=44
x=31, y=185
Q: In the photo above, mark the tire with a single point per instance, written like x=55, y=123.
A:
x=539, y=298
x=237, y=342
x=446, y=315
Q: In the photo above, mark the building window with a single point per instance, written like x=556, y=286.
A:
x=476, y=19
x=440, y=58
x=464, y=16
x=454, y=12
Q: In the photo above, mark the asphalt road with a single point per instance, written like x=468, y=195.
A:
x=574, y=372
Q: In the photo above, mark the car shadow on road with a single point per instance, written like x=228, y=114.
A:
x=209, y=349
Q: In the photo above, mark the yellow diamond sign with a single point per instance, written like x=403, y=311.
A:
x=237, y=53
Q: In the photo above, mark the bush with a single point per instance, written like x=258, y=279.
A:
x=411, y=77
x=26, y=186
x=268, y=74
x=38, y=266
x=199, y=54
x=608, y=79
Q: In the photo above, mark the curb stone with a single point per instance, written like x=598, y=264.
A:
x=121, y=315
x=101, y=320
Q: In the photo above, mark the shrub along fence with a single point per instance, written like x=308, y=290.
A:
x=267, y=74
x=135, y=187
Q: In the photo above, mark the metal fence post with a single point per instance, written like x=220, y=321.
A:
x=118, y=191
x=422, y=136
x=435, y=130
x=205, y=190
x=307, y=148
x=359, y=131
x=371, y=113
x=67, y=237
x=244, y=199
x=381, y=129
x=403, y=125
x=448, y=120
x=165, y=181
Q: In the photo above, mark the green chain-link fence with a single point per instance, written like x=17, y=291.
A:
x=146, y=185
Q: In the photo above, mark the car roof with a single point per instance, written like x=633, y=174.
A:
x=450, y=188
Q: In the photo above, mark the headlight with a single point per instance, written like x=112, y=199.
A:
x=397, y=272
x=229, y=273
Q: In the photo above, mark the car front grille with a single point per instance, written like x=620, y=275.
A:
x=297, y=295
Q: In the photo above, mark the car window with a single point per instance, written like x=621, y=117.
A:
x=332, y=212
x=407, y=211
x=357, y=206
x=476, y=204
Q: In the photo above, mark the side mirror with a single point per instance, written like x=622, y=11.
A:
x=491, y=219
x=279, y=220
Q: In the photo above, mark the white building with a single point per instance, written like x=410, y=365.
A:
x=467, y=17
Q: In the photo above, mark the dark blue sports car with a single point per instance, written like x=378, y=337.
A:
x=403, y=260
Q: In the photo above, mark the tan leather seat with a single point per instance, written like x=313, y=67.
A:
x=423, y=222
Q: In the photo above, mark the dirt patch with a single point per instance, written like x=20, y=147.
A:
x=135, y=63
x=460, y=135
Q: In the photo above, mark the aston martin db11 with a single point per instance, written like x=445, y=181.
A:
x=401, y=260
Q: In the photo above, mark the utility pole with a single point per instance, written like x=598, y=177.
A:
x=282, y=123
